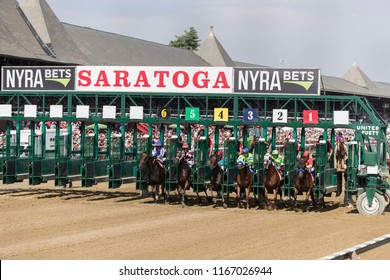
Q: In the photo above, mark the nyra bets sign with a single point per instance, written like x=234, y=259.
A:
x=276, y=81
x=155, y=79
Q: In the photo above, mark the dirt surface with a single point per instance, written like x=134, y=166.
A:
x=47, y=222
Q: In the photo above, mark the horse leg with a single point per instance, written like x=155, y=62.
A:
x=266, y=200
x=238, y=196
x=155, y=193
x=295, y=199
x=183, y=193
x=248, y=191
x=164, y=193
x=312, y=198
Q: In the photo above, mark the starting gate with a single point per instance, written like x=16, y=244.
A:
x=201, y=170
x=230, y=174
x=259, y=150
x=171, y=168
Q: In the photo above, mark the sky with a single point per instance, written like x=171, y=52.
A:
x=330, y=35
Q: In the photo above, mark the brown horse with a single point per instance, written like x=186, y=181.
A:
x=303, y=183
x=184, y=176
x=216, y=179
x=272, y=181
x=244, y=181
x=341, y=153
x=156, y=174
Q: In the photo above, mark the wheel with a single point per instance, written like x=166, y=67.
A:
x=377, y=207
x=387, y=199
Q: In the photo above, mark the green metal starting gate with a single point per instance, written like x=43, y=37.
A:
x=171, y=167
x=200, y=170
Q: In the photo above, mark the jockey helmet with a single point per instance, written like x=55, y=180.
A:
x=185, y=146
x=158, y=143
x=218, y=153
x=189, y=154
x=305, y=155
x=275, y=153
x=245, y=150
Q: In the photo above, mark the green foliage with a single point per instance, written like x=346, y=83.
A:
x=189, y=41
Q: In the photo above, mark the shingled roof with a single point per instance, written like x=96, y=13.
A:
x=16, y=37
x=104, y=48
x=356, y=82
x=213, y=52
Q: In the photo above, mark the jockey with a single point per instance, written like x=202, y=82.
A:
x=308, y=162
x=220, y=159
x=188, y=155
x=340, y=137
x=159, y=152
x=246, y=157
x=277, y=159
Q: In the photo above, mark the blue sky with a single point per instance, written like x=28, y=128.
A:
x=326, y=34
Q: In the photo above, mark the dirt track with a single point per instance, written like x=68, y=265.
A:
x=47, y=222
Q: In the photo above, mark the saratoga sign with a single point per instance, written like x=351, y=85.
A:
x=161, y=79
x=155, y=79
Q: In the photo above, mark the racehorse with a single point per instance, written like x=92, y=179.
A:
x=216, y=179
x=303, y=183
x=244, y=181
x=341, y=152
x=156, y=174
x=184, y=176
x=272, y=180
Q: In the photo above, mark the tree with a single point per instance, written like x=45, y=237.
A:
x=189, y=41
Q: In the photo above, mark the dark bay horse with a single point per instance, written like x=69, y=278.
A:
x=216, y=179
x=184, y=176
x=340, y=152
x=272, y=181
x=303, y=183
x=156, y=174
x=244, y=181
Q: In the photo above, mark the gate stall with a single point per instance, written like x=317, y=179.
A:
x=171, y=167
x=200, y=170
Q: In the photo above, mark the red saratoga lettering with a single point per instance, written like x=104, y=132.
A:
x=102, y=78
x=160, y=75
x=121, y=78
x=175, y=79
x=221, y=79
x=84, y=78
x=205, y=82
x=142, y=78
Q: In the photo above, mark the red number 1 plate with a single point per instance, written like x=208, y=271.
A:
x=310, y=116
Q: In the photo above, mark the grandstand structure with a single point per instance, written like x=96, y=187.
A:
x=32, y=35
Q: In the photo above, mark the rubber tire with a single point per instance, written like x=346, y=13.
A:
x=377, y=208
x=387, y=199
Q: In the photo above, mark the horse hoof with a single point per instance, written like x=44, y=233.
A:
x=225, y=206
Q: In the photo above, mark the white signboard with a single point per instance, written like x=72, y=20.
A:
x=136, y=113
x=155, y=79
x=5, y=110
x=341, y=117
x=30, y=111
x=279, y=116
x=82, y=111
x=56, y=111
x=109, y=112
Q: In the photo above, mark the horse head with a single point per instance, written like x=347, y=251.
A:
x=266, y=160
x=144, y=160
x=179, y=157
x=213, y=162
x=301, y=168
x=241, y=165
